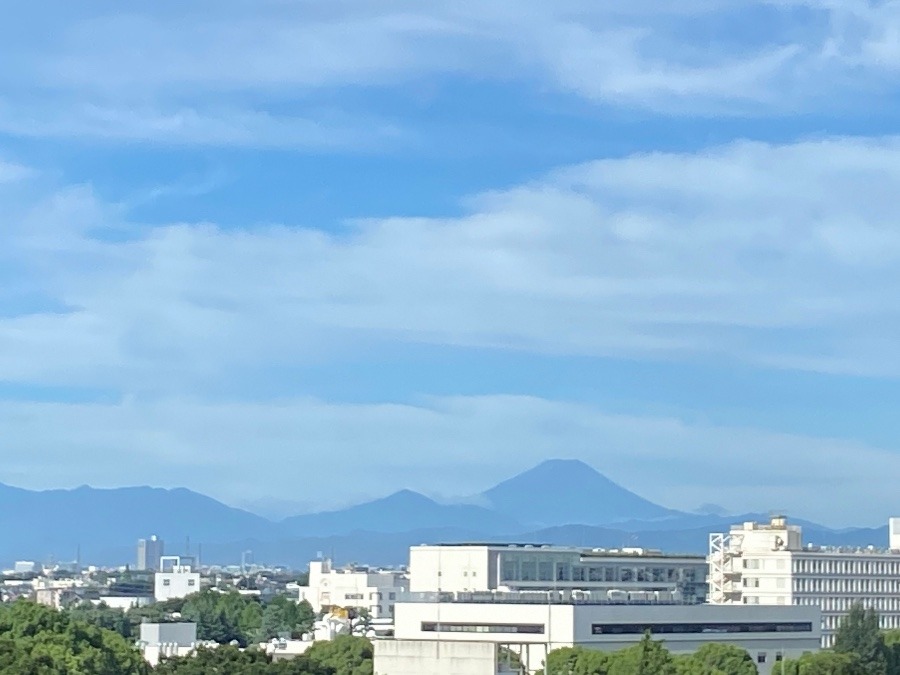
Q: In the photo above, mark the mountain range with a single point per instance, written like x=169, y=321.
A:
x=564, y=502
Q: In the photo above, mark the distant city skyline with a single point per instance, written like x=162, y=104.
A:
x=291, y=254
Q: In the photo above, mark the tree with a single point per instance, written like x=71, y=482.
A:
x=648, y=657
x=717, y=659
x=859, y=634
x=822, y=663
x=345, y=655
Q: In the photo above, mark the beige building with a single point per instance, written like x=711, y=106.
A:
x=374, y=590
x=768, y=564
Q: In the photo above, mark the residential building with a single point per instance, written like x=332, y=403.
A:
x=768, y=564
x=179, y=582
x=371, y=589
x=445, y=633
x=498, y=567
x=149, y=552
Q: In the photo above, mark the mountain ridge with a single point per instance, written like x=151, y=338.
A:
x=592, y=511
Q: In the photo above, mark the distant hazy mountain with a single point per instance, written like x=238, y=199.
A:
x=40, y=524
x=565, y=491
x=563, y=502
x=401, y=512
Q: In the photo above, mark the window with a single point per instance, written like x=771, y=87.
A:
x=761, y=657
x=434, y=627
x=690, y=628
x=751, y=564
x=392, y=596
x=192, y=582
x=167, y=582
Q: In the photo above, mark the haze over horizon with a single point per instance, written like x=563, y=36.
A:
x=292, y=253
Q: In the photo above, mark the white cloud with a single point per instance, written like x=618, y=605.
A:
x=451, y=445
x=179, y=74
x=779, y=255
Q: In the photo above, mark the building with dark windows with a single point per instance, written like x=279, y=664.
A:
x=428, y=625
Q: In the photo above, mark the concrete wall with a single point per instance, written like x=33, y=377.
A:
x=179, y=583
x=412, y=657
x=451, y=568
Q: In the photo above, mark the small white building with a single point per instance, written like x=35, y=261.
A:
x=374, y=590
x=428, y=632
x=161, y=640
x=768, y=564
x=179, y=581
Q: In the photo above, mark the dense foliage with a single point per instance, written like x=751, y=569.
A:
x=650, y=657
x=345, y=655
x=220, y=617
x=37, y=640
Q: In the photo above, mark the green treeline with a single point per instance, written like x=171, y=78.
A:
x=38, y=640
x=220, y=617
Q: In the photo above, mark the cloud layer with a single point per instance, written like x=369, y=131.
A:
x=248, y=73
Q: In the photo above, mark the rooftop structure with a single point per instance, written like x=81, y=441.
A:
x=511, y=567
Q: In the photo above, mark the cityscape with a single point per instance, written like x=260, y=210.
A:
x=448, y=337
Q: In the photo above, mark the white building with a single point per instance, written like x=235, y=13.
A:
x=444, y=637
x=149, y=552
x=374, y=590
x=26, y=567
x=163, y=640
x=179, y=581
x=493, y=567
x=768, y=564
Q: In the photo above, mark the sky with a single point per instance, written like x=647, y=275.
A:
x=294, y=254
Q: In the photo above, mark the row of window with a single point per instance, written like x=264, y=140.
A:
x=847, y=566
x=372, y=596
x=847, y=585
x=717, y=627
x=528, y=628
x=534, y=570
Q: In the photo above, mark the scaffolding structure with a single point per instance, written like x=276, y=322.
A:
x=725, y=568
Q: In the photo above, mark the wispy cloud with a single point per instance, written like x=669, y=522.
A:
x=778, y=255
x=266, y=73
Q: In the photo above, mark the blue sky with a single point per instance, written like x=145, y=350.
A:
x=297, y=254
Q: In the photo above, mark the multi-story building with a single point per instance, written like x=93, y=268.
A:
x=444, y=634
x=521, y=567
x=149, y=552
x=374, y=590
x=768, y=564
x=179, y=581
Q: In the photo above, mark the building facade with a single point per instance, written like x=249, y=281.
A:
x=520, y=567
x=179, y=581
x=149, y=552
x=373, y=590
x=768, y=564
x=530, y=629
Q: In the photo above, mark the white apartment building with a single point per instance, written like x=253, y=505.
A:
x=179, y=581
x=510, y=567
x=449, y=637
x=372, y=589
x=768, y=564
